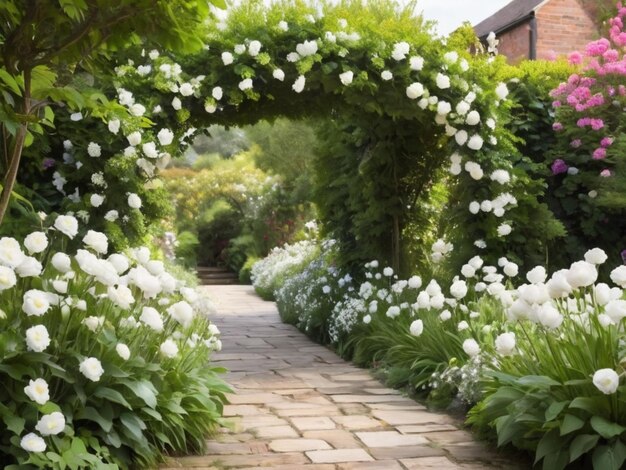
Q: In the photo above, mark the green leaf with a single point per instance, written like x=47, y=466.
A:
x=582, y=444
x=10, y=81
x=593, y=405
x=550, y=443
x=112, y=395
x=537, y=381
x=14, y=423
x=609, y=457
x=606, y=428
x=91, y=414
x=571, y=423
x=144, y=390
x=133, y=424
x=555, y=409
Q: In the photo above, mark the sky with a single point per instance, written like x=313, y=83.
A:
x=450, y=14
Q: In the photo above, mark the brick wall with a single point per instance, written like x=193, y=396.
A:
x=563, y=26
x=515, y=43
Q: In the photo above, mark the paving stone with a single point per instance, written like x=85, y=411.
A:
x=440, y=463
x=312, y=423
x=254, y=398
x=339, y=455
x=242, y=461
x=410, y=417
x=312, y=466
x=242, y=410
x=423, y=428
x=390, y=439
x=298, y=445
x=410, y=405
x=310, y=411
x=275, y=431
x=248, y=422
x=450, y=437
x=378, y=465
x=357, y=422
x=338, y=438
x=227, y=448
x=404, y=452
x=366, y=398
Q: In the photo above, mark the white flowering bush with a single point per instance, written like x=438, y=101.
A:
x=103, y=356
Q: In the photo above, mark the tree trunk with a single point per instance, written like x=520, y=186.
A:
x=395, y=245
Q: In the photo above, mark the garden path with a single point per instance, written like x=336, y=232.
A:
x=298, y=405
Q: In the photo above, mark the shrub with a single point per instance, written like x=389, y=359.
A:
x=106, y=358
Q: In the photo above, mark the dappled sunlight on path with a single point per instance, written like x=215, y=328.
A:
x=298, y=404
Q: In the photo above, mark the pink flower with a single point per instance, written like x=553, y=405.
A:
x=606, y=142
x=611, y=55
x=556, y=104
x=576, y=143
x=559, y=166
x=599, y=154
x=597, y=124
x=575, y=58
x=606, y=173
x=597, y=48
x=557, y=126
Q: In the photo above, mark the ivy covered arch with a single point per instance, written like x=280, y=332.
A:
x=423, y=142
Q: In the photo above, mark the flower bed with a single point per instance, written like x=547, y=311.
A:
x=104, y=361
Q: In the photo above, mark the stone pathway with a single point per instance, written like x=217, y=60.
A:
x=300, y=406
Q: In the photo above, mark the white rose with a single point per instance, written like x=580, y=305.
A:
x=502, y=91
x=134, y=138
x=473, y=118
x=227, y=58
x=97, y=241
x=169, y=349
x=367, y=319
x=36, y=242
x=618, y=276
x=240, y=49
x=66, y=224
x=94, y=149
x=581, y=274
x=7, y=278
x=51, y=424
x=254, y=48
x=134, y=201
x=415, y=282
x=463, y=325
x=443, y=81
x=417, y=327
x=151, y=318
x=511, y=269
x=346, y=77
x=30, y=267
x=596, y=256
x=471, y=347
x=165, y=136
x=37, y=338
x=111, y=215
x=414, y=90
x=60, y=286
x=35, y=302
x=119, y=262
x=400, y=50
x=121, y=296
x=475, y=142
x=558, y=286
x=458, y=289
x=549, y=316
x=445, y=315
x=606, y=380
x=91, y=368
x=505, y=344
x=386, y=75
x=461, y=137
x=114, y=126
x=181, y=312
x=537, y=275
x=177, y=104
x=416, y=63
x=616, y=310
x=61, y=262
x=186, y=89
x=37, y=390
x=278, y=74
x=443, y=108
x=298, y=85
x=31, y=442
x=283, y=26
x=504, y=230
x=246, y=84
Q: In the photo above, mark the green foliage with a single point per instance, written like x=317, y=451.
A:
x=186, y=249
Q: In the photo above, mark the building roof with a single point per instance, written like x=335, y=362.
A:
x=508, y=16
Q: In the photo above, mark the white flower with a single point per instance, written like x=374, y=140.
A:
x=461, y=137
x=149, y=150
x=388, y=271
x=97, y=241
x=458, y=289
x=181, y=312
x=91, y=368
x=134, y=201
x=502, y=91
x=511, y=269
x=122, y=351
x=240, y=49
x=245, y=84
x=96, y=200
x=326, y=289
x=616, y=310
x=451, y=57
x=111, y=215
x=51, y=424
x=445, y=315
x=134, y=138
x=60, y=286
x=472, y=118
x=596, y=256
x=66, y=224
x=443, y=108
x=416, y=328
x=443, y=81
x=463, y=325
x=31, y=442
x=137, y=109
x=367, y=319
x=36, y=242
x=606, y=380
x=505, y=344
x=549, y=316
x=76, y=116
x=537, y=275
x=186, y=89
x=415, y=90
x=581, y=274
x=37, y=338
x=471, y=348
x=386, y=75
x=30, y=267
x=393, y=311
x=306, y=48
x=93, y=323
x=278, y=74
x=475, y=142
x=283, y=26
x=169, y=349
x=400, y=50
x=416, y=63
x=165, y=136
x=227, y=58
x=501, y=176
x=35, y=302
x=504, y=230
x=121, y=296
x=346, y=77
x=150, y=317
x=298, y=85
x=415, y=282
x=618, y=276
x=176, y=103
x=254, y=48
x=37, y=390
x=7, y=278
x=462, y=108
x=293, y=57
x=61, y=262
x=143, y=70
